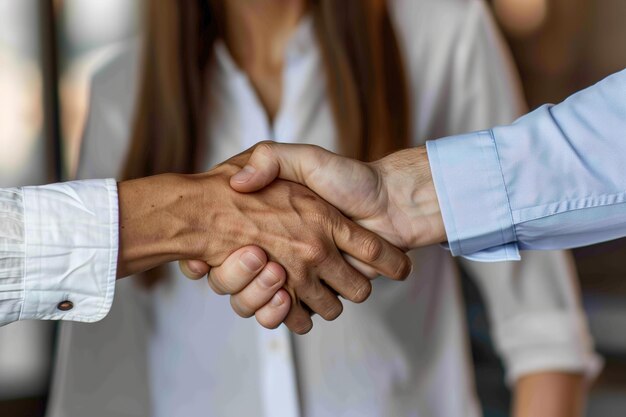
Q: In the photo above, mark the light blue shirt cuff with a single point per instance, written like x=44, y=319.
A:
x=473, y=199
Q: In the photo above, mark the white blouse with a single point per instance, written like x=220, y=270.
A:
x=179, y=350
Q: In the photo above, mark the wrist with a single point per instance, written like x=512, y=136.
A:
x=154, y=222
x=408, y=181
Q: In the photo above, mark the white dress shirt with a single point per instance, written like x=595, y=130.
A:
x=58, y=251
x=179, y=350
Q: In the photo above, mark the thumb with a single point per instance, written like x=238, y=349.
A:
x=194, y=269
x=275, y=160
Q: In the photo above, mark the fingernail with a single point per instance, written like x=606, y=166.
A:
x=277, y=300
x=268, y=279
x=250, y=261
x=193, y=267
x=245, y=174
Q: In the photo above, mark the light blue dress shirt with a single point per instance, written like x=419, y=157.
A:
x=554, y=179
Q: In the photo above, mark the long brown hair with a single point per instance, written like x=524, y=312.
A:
x=364, y=70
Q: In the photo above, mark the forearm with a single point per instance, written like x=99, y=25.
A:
x=156, y=222
x=60, y=245
x=549, y=394
x=555, y=179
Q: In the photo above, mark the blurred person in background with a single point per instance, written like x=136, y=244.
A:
x=363, y=78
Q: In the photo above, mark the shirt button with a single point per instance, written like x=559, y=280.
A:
x=65, y=305
x=275, y=345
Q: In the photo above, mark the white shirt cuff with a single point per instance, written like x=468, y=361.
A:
x=71, y=245
x=546, y=342
x=11, y=254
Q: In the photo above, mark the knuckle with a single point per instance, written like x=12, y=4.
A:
x=318, y=155
x=372, y=249
x=316, y=253
x=265, y=148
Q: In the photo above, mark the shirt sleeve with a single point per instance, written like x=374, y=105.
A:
x=554, y=179
x=58, y=251
x=536, y=319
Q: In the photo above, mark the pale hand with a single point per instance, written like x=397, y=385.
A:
x=393, y=197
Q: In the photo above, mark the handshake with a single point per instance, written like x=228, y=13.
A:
x=284, y=229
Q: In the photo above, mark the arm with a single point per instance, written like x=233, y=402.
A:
x=555, y=394
x=58, y=258
x=537, y=324
x=536, y=321
x=538, y=327
x=555, y=179
x=66, y=236
x=295, y=227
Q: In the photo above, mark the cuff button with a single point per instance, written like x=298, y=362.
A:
x=65, y=305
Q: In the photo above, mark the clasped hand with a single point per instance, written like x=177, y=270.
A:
x=314, y=251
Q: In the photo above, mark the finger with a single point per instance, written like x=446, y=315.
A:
x=272, y=314
x=361, y=267
x=270, y=160
x=311, y=291
x=260, y=291
x=344, y=279
x=372, y=250
x=238, y=270
x=194, y=269
x=321, y=300
x=298, y=319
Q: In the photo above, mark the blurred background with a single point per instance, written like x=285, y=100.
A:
x=48, y=49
